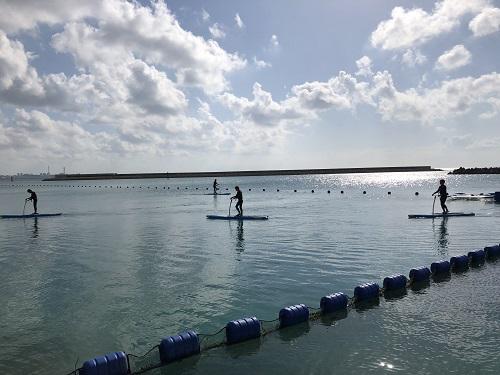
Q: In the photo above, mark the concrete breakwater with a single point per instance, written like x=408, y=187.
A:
x=275, y=172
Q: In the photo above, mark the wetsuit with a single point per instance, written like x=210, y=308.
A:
x=34, y=199
x=239, y=204
x=443, y=194
x=215, y=186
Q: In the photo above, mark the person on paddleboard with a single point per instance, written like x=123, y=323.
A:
x=33, y=198
x=216, y=186
x=443, y=194
x=239, y=204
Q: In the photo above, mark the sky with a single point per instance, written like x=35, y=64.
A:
x=167, y=86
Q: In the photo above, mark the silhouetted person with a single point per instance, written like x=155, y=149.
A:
x=443, y=194
x=216, y=186
x=33, y=198
x=239, y=204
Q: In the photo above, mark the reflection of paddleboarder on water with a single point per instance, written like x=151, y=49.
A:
x=239, y=204
x=33, y=198
x=443, y=194
x=216, y=186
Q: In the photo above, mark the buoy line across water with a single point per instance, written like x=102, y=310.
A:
x=189, y=343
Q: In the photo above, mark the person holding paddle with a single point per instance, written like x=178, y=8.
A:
x=216, y=186
x=239, y=197
x=443, y=194
x=32, y=198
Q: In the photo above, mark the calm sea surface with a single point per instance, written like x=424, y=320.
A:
x=124, y=267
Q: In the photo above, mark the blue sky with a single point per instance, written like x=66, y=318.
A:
x=122, y=86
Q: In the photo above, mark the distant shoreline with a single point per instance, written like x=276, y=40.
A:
x=276, y=172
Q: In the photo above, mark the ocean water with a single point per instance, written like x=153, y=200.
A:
x=132, y=261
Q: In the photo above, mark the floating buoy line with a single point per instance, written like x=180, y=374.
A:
x=337, y=305
x=149, y=187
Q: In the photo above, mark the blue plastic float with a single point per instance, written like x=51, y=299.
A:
x=333, y=302
x=173, y=348
x=242, y=330
x=395, y=282
x=460, y=262
x=440, y=267
x=292, y=315
x=366, y=291
x=476, y=256
x=492, y=251
x=419, y=274
x=109, y=364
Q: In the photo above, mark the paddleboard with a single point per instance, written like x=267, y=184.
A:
x=244, y=217
x=217, y=194
x=432, y=216
x=471, y=197
x=28, y=216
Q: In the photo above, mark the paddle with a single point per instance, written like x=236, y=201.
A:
x=230, y=203
x=433, y=205
x=24, y=208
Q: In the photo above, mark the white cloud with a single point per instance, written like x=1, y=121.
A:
x=481, y=144
x=261, y=64
x=239, y=21
x=413, y=27
x=33, y=134
x=142, y=108
x=205, y=16
x=240, y=135
x=451, y=99
x=113, y=83
x=27, y=14
x=37, y=135
x=20, y=83
x=470, y=142
x=216, y=31
x=495, y=108
x=273, y=42
x=121, y=88
x=458, y=140
x=130, y=84
x=341, y=92
x=305, y=102
x=364, y=65
x=14, y=63
x=152, y=91
x=262, y=110
x=454, y=58
x=485, y=23
x=413, y=58
x=120, y=28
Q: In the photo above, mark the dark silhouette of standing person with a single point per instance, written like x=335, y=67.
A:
x=33, y=198
x=239, y=204
x=216, y=186
x=443, y=194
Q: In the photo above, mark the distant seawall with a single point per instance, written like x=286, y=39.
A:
x=276, y=172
